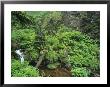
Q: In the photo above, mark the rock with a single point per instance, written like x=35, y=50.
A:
x=53, y=65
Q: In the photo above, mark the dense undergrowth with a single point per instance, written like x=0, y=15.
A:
x=45, y=36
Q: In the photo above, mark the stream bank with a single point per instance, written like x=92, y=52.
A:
x=57, y=72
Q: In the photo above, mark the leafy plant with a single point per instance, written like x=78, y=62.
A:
x=23, y=70
x=62, y=38
x=80, y=72
x=52, y=56
x=25, y=39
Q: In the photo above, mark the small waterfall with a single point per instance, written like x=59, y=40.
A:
x=18, y=52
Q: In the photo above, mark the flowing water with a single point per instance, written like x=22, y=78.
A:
x=20, y=54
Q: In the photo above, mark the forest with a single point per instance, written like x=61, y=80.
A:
x=55, y=43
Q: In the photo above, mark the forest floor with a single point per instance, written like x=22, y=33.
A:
x=57, y=72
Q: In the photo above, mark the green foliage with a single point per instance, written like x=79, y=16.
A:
x=52, y=56
x=31, y=52
x=63, y=28
x=48, y=22
x=83, y=50
x=51, y=40
x=23, y=70
x=21, y=20
x=66, y=37
x=91, y=24
x=74, y=48
x=25, y=39
x=80, y=72
x=23, y=36
x=87, y=22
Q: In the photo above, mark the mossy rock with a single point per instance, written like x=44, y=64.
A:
x=53, y=65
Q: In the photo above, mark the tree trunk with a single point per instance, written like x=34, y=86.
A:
x=40, y=60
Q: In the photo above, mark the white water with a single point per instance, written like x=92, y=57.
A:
x=21, y=55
